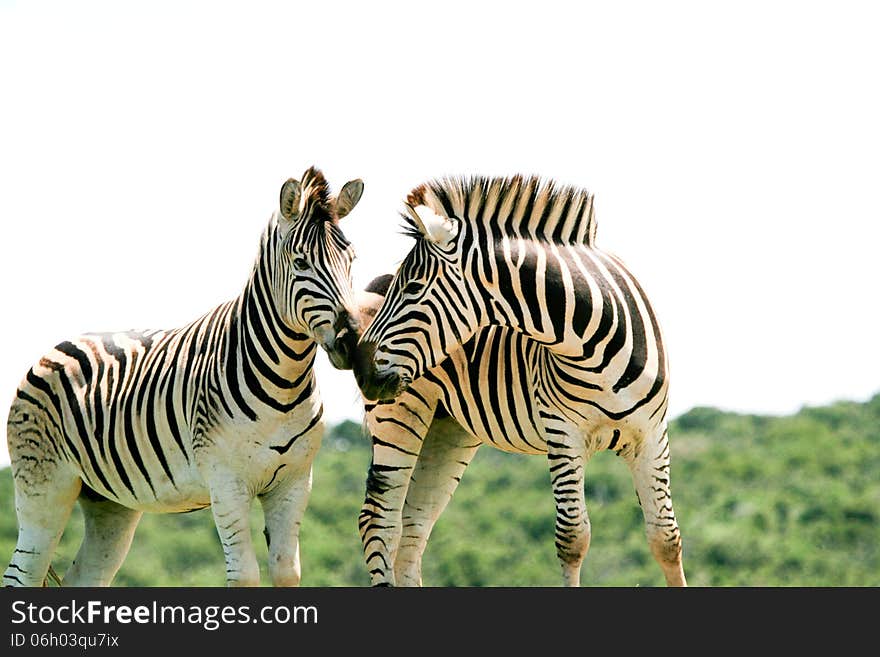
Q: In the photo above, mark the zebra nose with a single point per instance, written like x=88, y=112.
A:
x=374, y=378
x=344, y=342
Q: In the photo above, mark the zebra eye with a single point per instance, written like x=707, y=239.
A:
x=413, y=287
x=300, y=263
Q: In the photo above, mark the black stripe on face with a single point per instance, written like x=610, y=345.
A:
x=322, y=290
x=273, y=320
x=417, y=328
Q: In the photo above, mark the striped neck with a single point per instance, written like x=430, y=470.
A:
x=273, y=360
x=526, y=285
x=522, y=243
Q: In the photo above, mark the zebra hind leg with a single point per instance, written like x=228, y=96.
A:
x=42, y=518
x=45, y=492
x=649, y=466
x=109, y=529
x=567, y=455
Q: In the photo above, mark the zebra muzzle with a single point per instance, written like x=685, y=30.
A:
x=340, y=341
x=377, y=384
x=341, y=350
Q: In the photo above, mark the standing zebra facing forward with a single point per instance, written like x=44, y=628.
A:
x=562, y=356
x=214, y=413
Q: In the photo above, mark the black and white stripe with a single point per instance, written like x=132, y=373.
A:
x=214, y=413
x=506, y=324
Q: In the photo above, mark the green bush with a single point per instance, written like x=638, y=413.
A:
x=761, y=501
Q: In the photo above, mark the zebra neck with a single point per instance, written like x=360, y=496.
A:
x=528, y=287
x=275, y=360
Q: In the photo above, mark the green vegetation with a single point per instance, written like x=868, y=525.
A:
x=762, y=501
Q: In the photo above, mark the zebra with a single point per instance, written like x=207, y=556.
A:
x=213, y=413
x=506, y=325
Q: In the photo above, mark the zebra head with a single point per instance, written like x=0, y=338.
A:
x=312, y=264
x=428, y=311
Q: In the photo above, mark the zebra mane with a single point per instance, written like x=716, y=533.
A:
x=316, y=192
x=518, y=206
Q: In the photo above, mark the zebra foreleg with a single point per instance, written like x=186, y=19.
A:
x=283, y=509
x=109, y=529
x=397, y=432
x=446, y=452
x=380, y=518
x=649, y=465
x=567, y=455
x=231, y=505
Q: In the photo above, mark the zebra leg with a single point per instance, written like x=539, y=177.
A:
x=42, y=517
x=397, y=432
x=649, y=466
x=46, y=489
x=109, y=529
x=231, y=506
x=446, y=452
x=283, y=510
x=567, y=455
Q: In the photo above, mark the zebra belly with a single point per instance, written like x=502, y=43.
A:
x=492, y=386
x=145, y=466
x=188, y=492
x=130, y=470
x=259, y=457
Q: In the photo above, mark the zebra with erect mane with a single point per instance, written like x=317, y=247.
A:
x=562, y=355
x=215, y=413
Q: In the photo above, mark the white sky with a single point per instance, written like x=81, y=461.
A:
x=734, y=153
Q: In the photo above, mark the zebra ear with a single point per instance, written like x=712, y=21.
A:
x=436, y=228
x=349, y=197
x=291, y=191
